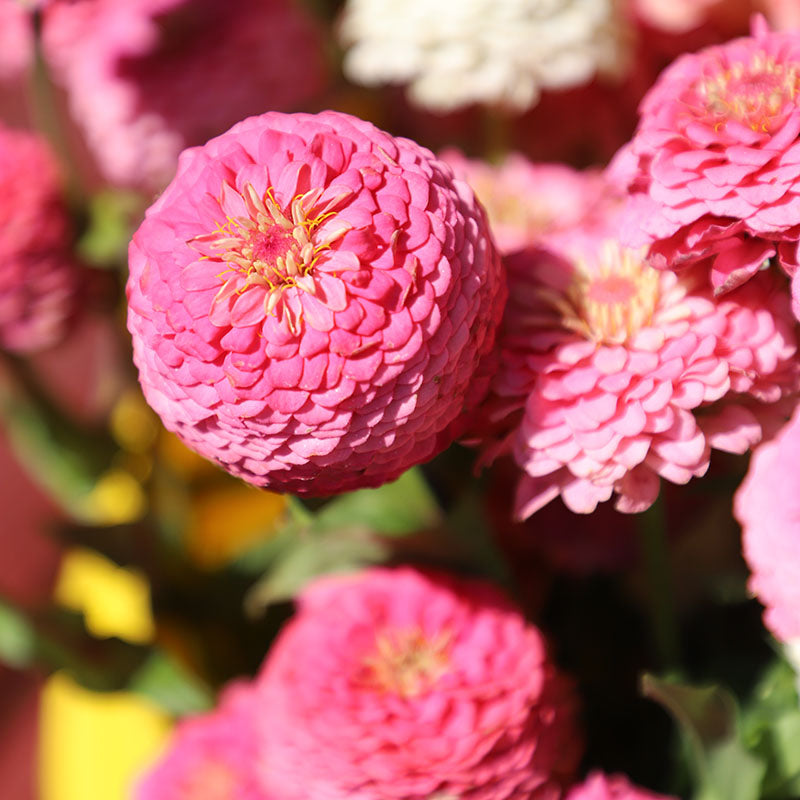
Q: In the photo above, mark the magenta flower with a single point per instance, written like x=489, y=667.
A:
x=610, y=787
x=526, y=201
x=716, y=157
x=211, y=757
x=146, y=78
x=37, y=276
x=605, y=363
x=400, y=684
x=309, y=301
x=768, y=507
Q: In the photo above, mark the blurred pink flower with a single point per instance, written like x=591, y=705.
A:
x=212, y=756
x=610, y=787
x=146, y=78
x=16, y=40
x=768, y=507
x=714, y=161
x=604, y=361
x=401, y=684
x=37, y=276
x=309, y=302
x=526, y=201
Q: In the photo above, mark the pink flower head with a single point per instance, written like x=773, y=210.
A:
x=309, y=301
x=526, y=201
x=211, y=757
x=37, y=277
x=768, y=507
x=146, y=78
x=400, y=684
x=716, y=157
x=610, y=787
x=605, y=363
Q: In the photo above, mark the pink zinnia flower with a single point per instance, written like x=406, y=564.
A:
x=211, y=756
x=526, y=201
x=146, y=78
x=605, y=363
x=716, y=157
x=37, y=275
x=610, y=787
x=309, y=301
x=400, y=684
x=768, y=507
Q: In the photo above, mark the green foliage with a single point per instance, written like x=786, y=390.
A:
x=722, y=766
x=771, y=726
x=349, y=532
x=111, y=215
x=17, y=638
x=167, y=683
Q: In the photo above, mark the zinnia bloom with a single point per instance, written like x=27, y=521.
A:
x=611, y=373
x=309, y=301
x=768, y=507
x=526, y=201
x=400, y=684
x=146, y=78
x=211, y=756
x=479, y=51
x=716, y=157
x=37, y=275
x=610, y=787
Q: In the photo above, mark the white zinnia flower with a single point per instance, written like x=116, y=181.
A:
x=456, y=52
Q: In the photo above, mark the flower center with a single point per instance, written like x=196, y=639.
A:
x=407, y=663
x=272, y=247
x=753, y=94
x=611, y=299
x=210, y=780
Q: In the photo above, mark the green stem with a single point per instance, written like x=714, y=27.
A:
x=655, y=552
x=48, y=121
x=62, y=456
x=497, y=131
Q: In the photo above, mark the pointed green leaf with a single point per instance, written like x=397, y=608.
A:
x=167, y=683
x=401, y=507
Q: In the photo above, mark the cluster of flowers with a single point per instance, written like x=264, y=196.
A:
x=310, y=293
x=317, y=306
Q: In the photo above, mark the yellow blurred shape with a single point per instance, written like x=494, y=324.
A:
x=224, y=523
x=93, y=745
x=134, y=426
x=115, y=601
x=115, y=499
x=182, y=460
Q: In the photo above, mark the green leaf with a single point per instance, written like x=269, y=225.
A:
x=111, y=217
x=311, y=555
x=733, y=773
x=344, y=534
x=724, y=768
x=167, y=683
x=17, y=637
x=771, y=721
x=404, y=506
